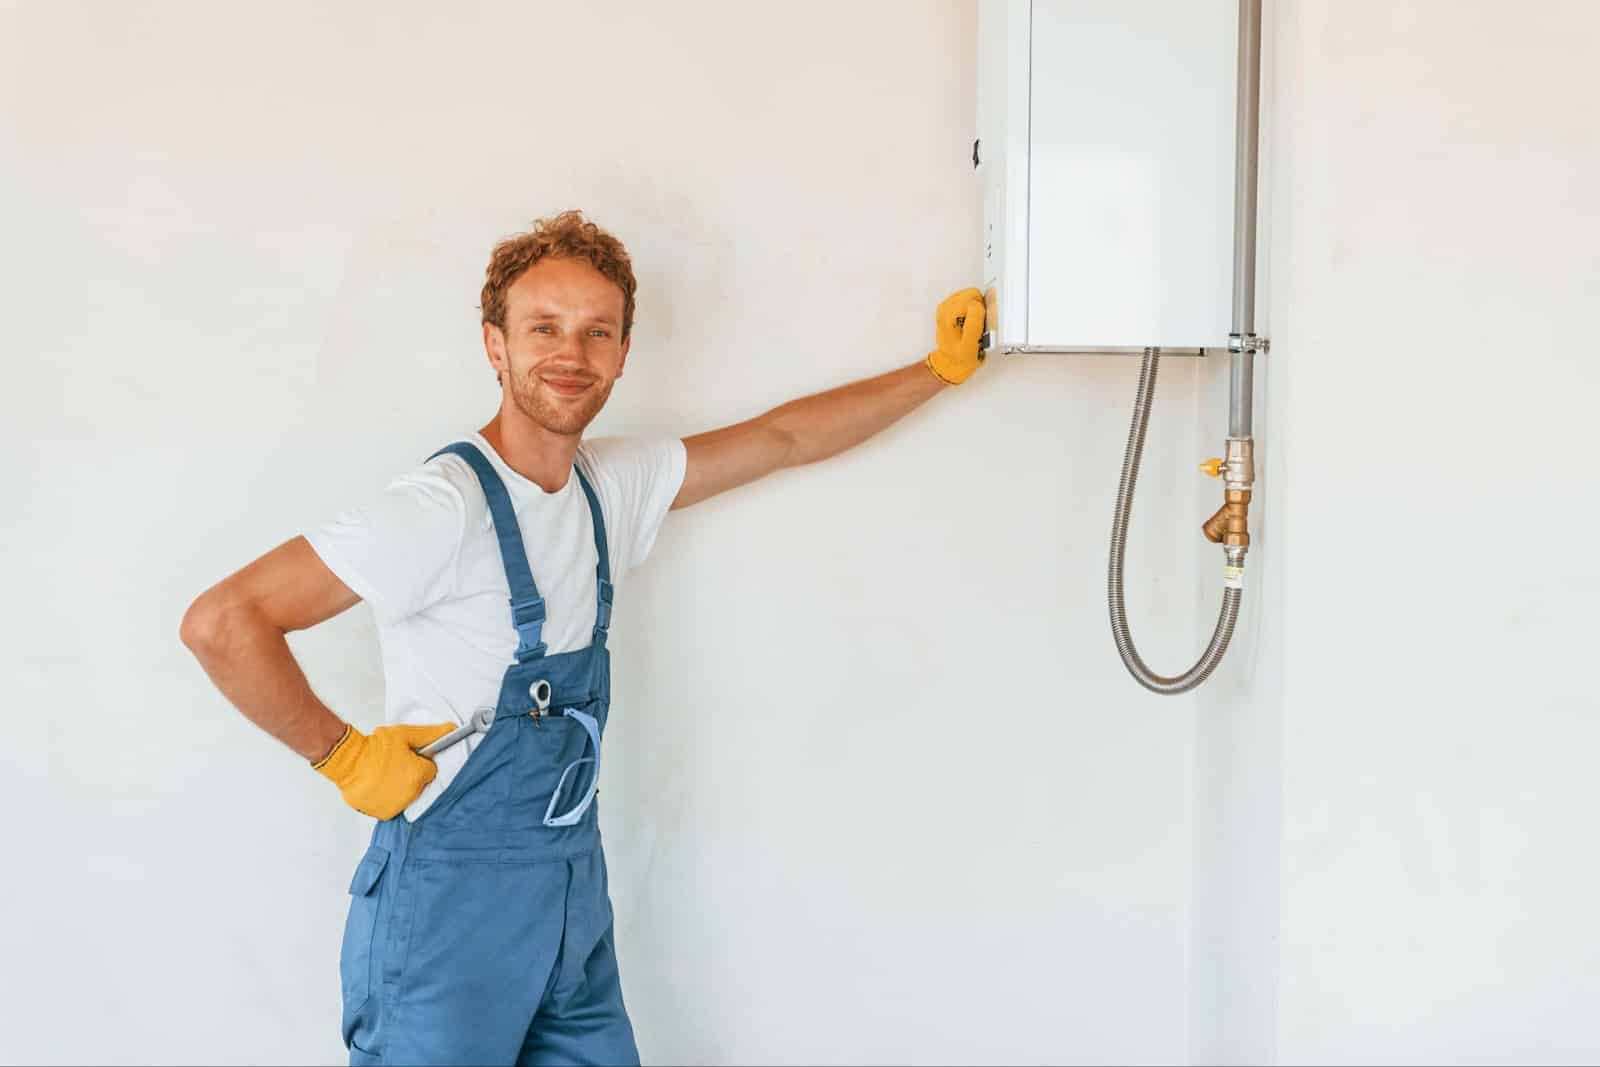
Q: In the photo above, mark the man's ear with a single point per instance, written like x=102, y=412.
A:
x=623, y=362
x=494, y=346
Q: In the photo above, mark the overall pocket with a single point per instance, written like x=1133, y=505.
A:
x=355, y=954
x=476, y=793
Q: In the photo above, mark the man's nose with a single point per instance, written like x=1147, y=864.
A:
x=568, y=349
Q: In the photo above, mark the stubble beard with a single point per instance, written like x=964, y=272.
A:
x=569, y=418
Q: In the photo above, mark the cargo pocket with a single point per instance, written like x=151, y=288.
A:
x=355, y=955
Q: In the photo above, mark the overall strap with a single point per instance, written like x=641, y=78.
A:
x=527, y=606
x=602, y=610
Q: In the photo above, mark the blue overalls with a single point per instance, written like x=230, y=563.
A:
x=482, y=932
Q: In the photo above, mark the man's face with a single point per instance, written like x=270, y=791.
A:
x=561, y=349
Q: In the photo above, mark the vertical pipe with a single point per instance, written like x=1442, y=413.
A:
x=1247, y=125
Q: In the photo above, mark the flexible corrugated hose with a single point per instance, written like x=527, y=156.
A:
x=1156, y=683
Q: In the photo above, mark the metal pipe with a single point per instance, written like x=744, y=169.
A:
x=1121, y=633
x=1241, y=384
x=1247, y=128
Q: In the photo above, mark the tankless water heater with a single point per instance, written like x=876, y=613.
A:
x=1106, y=145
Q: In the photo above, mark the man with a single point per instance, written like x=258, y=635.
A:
x=480, y=929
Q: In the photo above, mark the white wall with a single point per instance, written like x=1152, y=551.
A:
x=877, y=787
x=1395, y=805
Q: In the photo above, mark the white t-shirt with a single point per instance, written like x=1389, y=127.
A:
x=424, y=556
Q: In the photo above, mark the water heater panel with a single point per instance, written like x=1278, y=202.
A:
x=1106, y=147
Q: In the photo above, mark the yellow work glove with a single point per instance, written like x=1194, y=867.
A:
x=380, y=774
x=957, y=355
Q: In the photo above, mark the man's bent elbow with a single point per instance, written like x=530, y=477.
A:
x=206, y=623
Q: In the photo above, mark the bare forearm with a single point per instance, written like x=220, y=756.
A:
x=825, y=424
x=801, y=431
x=249, y=660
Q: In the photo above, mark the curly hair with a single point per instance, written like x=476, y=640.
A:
x=567, y=235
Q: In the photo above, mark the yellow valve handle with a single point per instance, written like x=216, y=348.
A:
x=1212, y=467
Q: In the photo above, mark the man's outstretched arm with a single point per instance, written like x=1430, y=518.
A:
x=825, y=424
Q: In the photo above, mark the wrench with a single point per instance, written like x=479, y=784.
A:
x=540, y=692
x=480, y=722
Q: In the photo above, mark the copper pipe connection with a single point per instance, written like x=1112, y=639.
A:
x=1231, y=524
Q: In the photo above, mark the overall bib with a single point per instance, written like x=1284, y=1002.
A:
x=481, y=933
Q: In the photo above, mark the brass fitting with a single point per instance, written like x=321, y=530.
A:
x=1230, y=526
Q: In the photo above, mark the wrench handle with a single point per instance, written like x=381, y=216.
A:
x=477, y=723
x=433, y=748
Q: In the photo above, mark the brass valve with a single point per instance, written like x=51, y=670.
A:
x=1231, y=524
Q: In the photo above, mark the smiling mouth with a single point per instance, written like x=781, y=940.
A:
x=567, y=386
